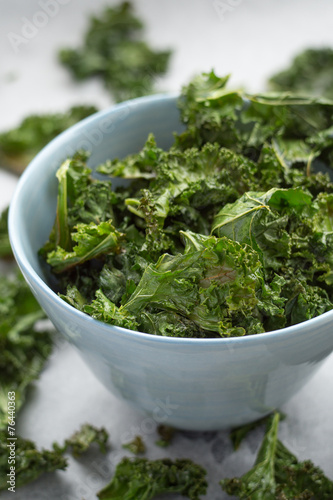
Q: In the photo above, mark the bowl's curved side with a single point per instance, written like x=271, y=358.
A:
x=199, y=384
x=195, y=385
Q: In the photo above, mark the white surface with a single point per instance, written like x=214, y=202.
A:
x=250, y=40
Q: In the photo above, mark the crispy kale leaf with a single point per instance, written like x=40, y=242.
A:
x=265, y=221
x=30, y=462
x=166, y=434
x=5, y=247
x=82, y=439
x=259, y=483
x=19, y=145
x=104, y=310
x=185, y=189
x=283, y=226
x=214, y=288
x=278, y=475
x=142, y=479
x=310, y=72
x=238, y=434
x=114, y=50
x=136, y=446
x=243, y=122
x=141, y=165
x=24, y=348
x=91, y=240
x=71, y=243
x=214, y=280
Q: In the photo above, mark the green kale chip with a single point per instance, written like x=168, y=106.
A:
x=114, y=50
x=143, y=479
x=29, y=462
x=310, y=72
x=5, y=247
x=82, y=439
x=19, y=145
x=136, y=446
x=24, y=347
x=166, y=434
x=103, y=309
x=278, y=475
x=213, y=279
x=91, y=240
x=73, y=243
x=243, y=122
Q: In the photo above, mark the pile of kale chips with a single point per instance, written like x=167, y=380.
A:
x=228, y=233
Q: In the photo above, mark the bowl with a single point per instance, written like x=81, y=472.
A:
x=194, y=384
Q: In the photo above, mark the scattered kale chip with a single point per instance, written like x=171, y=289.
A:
x=140, y=478
x=166, y=434
x=18, y=146
x=24, y=347
x=278, y=475
x=5, y=247
x=30, y=463
x=82, y=439
x=114, y=49
x=136, y=446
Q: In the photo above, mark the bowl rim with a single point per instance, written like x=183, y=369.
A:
x=36, y=282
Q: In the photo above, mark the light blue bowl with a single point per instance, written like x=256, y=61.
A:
x=197, y=384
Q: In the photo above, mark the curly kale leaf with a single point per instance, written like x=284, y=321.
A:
x=19, y=145
x=211, y=284
x=289, y=232
x=142, y=479
x=24, y=348
x=104, y=310
x=206, y=122
x=141, y=165
x=278, y=475
x=274, y=223
x=80, y=198
x=136, y=446
x=243, y=122
x=113, y=49
x=258, y=483
x=310, y=72
x=30, y=463
x=166, y=434
x=286, y=226
x=215, y=288
x=82, y=439
x=92, y=241
x=5, y=247
x=170, y=324
x=238, y=434
x=299, y=480
x=245, y=220
x=185, y=190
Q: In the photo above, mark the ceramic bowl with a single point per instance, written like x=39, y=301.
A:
x=196, y=384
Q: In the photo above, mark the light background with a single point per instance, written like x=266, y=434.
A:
x=250, y=39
